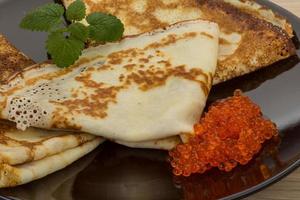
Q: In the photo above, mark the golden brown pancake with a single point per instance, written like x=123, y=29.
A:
x=11, y=59
x=263, y=12
x=252, y=36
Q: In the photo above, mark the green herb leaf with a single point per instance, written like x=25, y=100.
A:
x=64, y=51
x=104, y=27
x=76, y=11
x=43, y=18
x=79, y=31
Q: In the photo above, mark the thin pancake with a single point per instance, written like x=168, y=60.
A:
x=247, y=41
x=11, y=60
x=146, y=87
x=262, y=12
x=11, y=176
x=17, y=147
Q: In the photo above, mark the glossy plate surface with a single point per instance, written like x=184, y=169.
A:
x=116, y=172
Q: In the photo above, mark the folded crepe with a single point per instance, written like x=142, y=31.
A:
x=146, y=87
x=28, y=155
x=252, y=36
x=13, y=175
x=18, y=147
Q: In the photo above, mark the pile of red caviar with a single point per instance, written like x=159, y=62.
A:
x=230, y=133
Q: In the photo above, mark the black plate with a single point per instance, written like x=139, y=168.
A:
x=116, y=172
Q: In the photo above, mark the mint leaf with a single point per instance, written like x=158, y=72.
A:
x=79, y=31
x=43, y=18
x=76, y=11
x=104, y=27
x=64, y=51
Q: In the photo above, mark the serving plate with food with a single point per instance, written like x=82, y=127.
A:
x=147, y=99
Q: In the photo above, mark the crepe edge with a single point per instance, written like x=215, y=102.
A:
x=11, y=60
x=11, y=176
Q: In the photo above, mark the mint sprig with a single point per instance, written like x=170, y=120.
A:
x=65, y=44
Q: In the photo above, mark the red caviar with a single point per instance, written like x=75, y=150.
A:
x=230, y=133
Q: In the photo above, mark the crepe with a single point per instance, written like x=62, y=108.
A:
x=20, y=174
x=33, y=148
x=146, y=87
x=251, y=37
x=18, y=147
x=11, y=59
x=264, y=13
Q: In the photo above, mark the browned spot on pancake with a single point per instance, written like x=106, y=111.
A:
x=129, y=53
x=207, y=35
x=121, y=78
x=61, y=122
x=166, y=63
x=150, y=79
x=171, y=39
x=144, y=60
x=90, y=69
x=113, y=59
x=9, y=176
x=223, y=41
x=104, y=67
x=129, y=67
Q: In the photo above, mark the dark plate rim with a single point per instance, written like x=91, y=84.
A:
x=293, y=166
x=259, y=187
x=279, y=176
